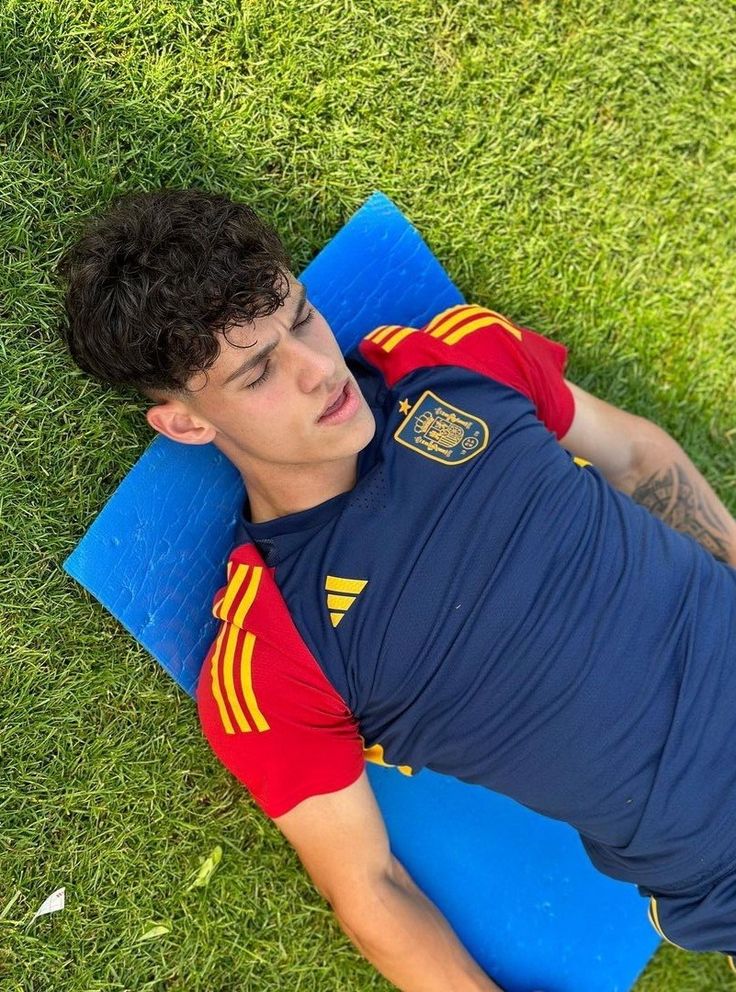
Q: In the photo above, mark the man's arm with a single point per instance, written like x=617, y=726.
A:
x=641, y=459
x=341, y=840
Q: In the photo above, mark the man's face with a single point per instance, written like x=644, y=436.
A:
x=265, y=401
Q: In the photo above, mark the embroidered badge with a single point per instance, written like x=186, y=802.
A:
x=443, y=432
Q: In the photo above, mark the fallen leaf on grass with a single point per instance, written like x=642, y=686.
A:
x=9, y=905
x=206, y=869
x=157, y=931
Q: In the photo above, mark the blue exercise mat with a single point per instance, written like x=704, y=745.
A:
x=517, y=888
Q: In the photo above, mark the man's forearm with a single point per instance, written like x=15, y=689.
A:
x=406, y=937
x=668, y=484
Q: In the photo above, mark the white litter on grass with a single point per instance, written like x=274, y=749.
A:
x=53, y=904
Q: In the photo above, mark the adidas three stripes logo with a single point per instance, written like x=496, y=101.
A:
x=341, y=594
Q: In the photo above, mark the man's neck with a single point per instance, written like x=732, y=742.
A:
x=290, y=488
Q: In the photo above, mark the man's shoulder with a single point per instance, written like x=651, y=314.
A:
x=251, y=598
x=397, y=349
x=265, y=706
x=258, y=642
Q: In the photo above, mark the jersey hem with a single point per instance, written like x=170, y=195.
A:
x=281, y=809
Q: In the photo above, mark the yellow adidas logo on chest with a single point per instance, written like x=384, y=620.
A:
x=341, y=594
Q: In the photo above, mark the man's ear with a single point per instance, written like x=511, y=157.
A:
x=174, y=421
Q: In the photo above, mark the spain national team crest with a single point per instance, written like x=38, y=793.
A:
x=443, y=432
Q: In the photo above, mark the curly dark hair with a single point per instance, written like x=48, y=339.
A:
x=151, y=283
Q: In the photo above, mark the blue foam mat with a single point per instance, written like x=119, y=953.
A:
x=517, y=888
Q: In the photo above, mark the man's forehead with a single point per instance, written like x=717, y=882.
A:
x=248, y=332
x=246, y=336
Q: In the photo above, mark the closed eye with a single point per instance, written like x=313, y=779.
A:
x=266, y=371
x=305, y=320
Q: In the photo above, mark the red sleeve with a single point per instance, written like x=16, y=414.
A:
x=480, y=339
x=265, y=706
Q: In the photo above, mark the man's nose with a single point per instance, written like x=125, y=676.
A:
x=316, y=370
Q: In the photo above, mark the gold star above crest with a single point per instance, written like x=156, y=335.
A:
x=404, y=406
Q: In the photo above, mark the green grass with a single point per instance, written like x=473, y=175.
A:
x=572, y=164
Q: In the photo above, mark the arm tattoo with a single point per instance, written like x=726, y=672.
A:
x=670, y=495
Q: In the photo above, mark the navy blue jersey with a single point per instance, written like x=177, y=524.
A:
x=483, y=604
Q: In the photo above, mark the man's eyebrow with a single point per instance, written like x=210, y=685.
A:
x=250, y=363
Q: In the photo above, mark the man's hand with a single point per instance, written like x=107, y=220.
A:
x=642, y=460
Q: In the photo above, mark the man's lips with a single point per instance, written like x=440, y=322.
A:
x=337, y=397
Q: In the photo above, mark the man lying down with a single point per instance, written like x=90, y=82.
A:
x=449, y=557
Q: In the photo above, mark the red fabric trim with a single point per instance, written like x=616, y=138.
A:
x=533, y=366
x=312, y=745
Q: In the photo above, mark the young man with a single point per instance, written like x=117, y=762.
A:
x=430, y=572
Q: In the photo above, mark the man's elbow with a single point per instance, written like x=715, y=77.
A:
x=651, y=448
x=363, y=914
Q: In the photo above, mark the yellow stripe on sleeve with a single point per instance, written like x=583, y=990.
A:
x=216, y=692
x=246, y=681
x=488, y=318
x=383, y=332
x=399, y=336
x=448, y=327
x=234, y=587
x=250, y=595
x=228, y=670
x=447, y=321
x=461, y=332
